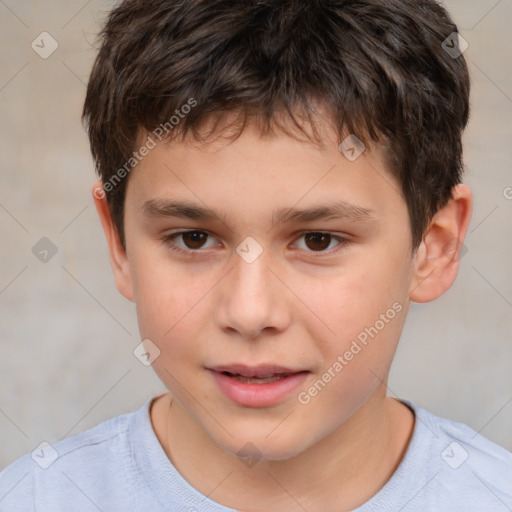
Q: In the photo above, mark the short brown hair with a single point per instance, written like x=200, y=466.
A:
x=380, y=67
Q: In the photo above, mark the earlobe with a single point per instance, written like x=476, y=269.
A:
x=118, y=257
x=436, y=261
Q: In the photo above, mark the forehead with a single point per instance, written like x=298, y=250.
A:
x=284, y=176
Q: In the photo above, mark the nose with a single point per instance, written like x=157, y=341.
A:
x=253, y=300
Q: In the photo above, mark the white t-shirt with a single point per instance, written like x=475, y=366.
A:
x=120, y=466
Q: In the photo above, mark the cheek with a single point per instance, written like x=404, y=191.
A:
x=165, y=294
x=364, y=309
x=355, y=364
x=172, y=309
x=356, y=299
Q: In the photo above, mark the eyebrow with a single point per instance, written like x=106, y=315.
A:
x=341, y=210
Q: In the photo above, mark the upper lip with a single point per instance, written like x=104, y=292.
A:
x=263, y=370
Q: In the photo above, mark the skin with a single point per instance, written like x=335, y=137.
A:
x=300, y=304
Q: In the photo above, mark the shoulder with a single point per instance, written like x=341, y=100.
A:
x=461, y=445
x=62, y=471
x=464, y=464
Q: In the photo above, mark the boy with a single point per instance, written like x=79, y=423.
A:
x=280, y=179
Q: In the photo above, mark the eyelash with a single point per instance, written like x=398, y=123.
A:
x=171, y=245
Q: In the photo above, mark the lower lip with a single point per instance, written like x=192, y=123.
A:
x=258, y=395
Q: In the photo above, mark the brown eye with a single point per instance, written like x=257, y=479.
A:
x=318, y=241
x=192, y=242
x=194, y=239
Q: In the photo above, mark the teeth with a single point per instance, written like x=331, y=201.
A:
x=258, y=380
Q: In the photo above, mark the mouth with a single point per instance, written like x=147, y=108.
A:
x=258, y=380
x=259, y=374
x=257, y=386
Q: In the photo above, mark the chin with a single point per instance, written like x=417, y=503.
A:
x=260, y=447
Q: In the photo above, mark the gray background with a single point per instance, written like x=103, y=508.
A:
x=67, y=336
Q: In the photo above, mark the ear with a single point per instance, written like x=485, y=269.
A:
x=436, y=261
x=118, y=257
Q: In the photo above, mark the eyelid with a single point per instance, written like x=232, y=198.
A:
x=342, y=240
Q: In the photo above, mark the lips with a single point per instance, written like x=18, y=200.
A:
x=257, y=386
x=255, y=372
x=258, y=380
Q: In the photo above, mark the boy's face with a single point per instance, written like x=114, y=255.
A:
x=301, y=306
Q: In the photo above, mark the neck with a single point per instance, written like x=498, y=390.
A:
x=368, y=449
